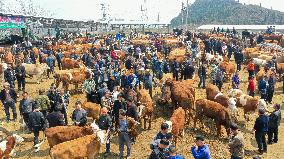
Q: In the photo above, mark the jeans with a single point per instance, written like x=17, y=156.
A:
x=272, y=132
x=11, y=105
x=262, y=94
x=21, y=83
x=26, y=120
x=36, y=130
x=269, y=95
x=219, y=84
x=261, y=141
x=239, y=66
x=235, y=157
x=251, y=93
x=64, y=112
x=251, y=72
x=175, y=75
x=124, y=139
x=202, y=81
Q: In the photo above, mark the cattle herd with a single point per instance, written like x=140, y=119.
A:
x=174, y=98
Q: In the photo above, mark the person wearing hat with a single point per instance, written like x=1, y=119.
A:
x=8, y=97
x=236, y=142
x=251, y=86
x=200, y=150
x=37, y=123
x=123, y=134
x=21, y=76
x=274, y=123
x=9, y=76
x=79, y=115
x=160, y=152
x=173, y=153
x=261, y=128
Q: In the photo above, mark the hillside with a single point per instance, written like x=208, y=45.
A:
x=228, y=12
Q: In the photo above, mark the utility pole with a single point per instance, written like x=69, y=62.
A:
x=182, y=6
x=186, y=15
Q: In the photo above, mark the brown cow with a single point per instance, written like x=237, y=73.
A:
x=250, y=104
x=229, y=69
x=178, y=122
x=93, y=110
x=214, y=111
x=146, y=108
x=68, y=63
x=76, y=78
x=9, y=58
x=8, y=145
x=86, y=146
x=181, y=94
x=59, y=134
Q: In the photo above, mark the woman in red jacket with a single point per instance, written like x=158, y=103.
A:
x=251, y=86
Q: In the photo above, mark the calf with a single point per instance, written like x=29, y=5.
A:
x=86, y=146
x=146, y=108
x=177, y=123
x=8, y=145
x=214, y=111
x=93, y=110
x=249, y=104
x=59, y=134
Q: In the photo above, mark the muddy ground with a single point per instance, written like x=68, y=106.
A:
x=140, y=149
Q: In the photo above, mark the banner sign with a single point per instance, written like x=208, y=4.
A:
x=7, y=22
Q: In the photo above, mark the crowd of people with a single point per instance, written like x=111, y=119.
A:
x=109, y=83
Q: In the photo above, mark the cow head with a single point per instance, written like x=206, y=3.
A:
x=170, y=123
x=100, y=133
x=141, y=110
x=232, y=104
x=18, y=139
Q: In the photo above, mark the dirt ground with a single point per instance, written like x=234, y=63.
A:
x=141, y=150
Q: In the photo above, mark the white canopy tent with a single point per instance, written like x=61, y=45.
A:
x=241, y=27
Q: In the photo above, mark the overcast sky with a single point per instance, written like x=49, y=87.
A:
x=128, y=9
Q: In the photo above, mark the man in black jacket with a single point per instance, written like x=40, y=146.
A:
x=160, y=152
x=118, y=104
x=56, y=118
x=104, y=123
x=274, y=123
x=131, y=109
x=261, y=128
x=239, y=58
x=26, y=107
x=79, y=115
x=9, y=76
x=21, y=76
x=8, y=97
x=37, y=123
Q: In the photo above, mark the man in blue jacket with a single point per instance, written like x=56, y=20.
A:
x=50, y=63
x=261, y=128
x=200, y=150
x=262, y=88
